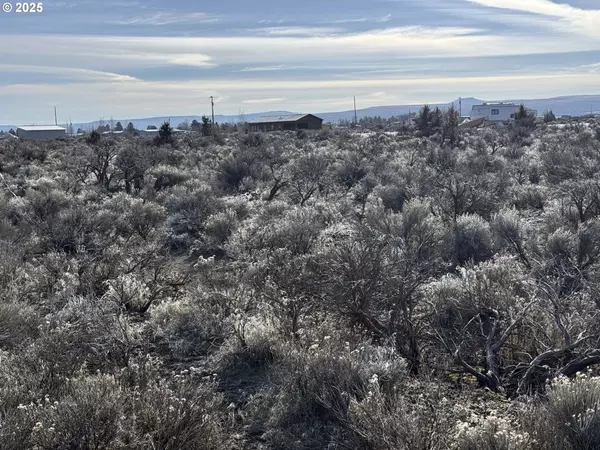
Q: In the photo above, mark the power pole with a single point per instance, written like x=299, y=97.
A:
x=355, y=118
x=212, y=105
x=55, y=117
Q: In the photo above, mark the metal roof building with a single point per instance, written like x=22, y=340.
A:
x=36, y=132
x=291, y=122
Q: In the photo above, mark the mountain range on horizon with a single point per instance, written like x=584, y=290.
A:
x=576, y=105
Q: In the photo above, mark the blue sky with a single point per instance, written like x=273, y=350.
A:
x=125, y=58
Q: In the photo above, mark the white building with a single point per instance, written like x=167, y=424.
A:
x=36, y=132
x=497, y=112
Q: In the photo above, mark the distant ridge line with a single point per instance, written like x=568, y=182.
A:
x=562, y=105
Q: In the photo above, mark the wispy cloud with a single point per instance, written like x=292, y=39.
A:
x=382, y=19
x=589, y=68
x=571, y=19
x=122, y=54
x=263, y=69
x=263, y=101
x=297, y=31
x=66, y=73
x=268, y=21
x=168, y=18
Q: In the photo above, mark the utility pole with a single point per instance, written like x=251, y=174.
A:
x=355, y=118
x=212, y=105
x=55, y=117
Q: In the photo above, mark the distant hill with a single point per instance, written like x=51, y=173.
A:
x=576, y=105
x=398, y=110
x=572, y=105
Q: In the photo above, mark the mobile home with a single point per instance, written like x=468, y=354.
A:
x=496, y=112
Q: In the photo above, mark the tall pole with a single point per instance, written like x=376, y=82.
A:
x=460, y=105
x=212, y=104
x=55, y=117
x=355, y=117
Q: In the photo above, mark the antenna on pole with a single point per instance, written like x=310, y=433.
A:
x=355, y=118
x=55, y=117
x=212, y=105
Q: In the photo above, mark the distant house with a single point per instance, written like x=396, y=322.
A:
x=37, y=132
x=496, y=112
x=293, y=122
x=148, y=132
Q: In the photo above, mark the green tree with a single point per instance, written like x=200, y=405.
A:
x=549, y=117
x=165, y=134
x=206, y=126
x=118, y=127
x=423, y=120
x=94, y=137
x=130, y=128
x=524, y=118
x=450, y=126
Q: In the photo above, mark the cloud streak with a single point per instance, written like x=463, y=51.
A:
x=66, y=73
x=168, y=18
x=297, y=31
x=571, y=19
x=122, y=53
x=264, y=101
x=382, y=19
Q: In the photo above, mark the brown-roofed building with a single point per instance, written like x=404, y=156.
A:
x=293, y=122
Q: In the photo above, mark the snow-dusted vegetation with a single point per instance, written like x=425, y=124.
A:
x=421, y=290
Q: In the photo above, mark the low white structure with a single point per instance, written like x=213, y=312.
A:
x=36, y=132
x=148, y=132
x=497, y=112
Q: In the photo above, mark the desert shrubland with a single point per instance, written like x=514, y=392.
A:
x=426, y=289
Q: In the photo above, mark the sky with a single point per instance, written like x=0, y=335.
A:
x=133, y=59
